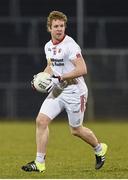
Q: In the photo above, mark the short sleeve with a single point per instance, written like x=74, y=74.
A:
x=47, y=50
x=74, y=51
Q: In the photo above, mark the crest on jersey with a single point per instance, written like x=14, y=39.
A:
x=49, y=49
x=59, y=50
x=54, y=50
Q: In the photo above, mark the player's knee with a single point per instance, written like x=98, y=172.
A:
x=42, y=121
x=75, y=131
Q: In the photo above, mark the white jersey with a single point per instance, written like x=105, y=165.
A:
x=61, y=56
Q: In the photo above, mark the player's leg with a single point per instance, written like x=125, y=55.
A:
x=85, y=134
x=75, y=116
x=75, y=113
x=42, y=134
x=46, y=114
x=88, y=136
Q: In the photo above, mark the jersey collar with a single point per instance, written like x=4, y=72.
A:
x=59, y=41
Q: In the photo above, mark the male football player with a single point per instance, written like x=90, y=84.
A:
x=67, y=91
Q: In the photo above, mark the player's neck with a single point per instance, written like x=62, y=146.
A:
x=57, y=41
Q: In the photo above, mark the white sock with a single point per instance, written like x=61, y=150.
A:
x=40, y=157
x=98, y=148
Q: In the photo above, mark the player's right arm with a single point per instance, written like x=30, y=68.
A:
x=48, y=69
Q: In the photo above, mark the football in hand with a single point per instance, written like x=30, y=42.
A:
x=41, y=81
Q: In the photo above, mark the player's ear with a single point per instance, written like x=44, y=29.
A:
x=49, y=29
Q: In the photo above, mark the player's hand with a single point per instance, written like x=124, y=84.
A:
x=56, y=80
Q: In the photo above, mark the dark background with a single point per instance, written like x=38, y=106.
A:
x=93, y=8
x=23, y=35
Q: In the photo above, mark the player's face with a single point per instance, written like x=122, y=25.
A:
x=57, y=30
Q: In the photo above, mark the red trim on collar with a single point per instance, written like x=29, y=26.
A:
x=59, y=41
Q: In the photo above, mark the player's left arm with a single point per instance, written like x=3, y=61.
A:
x=79, y=70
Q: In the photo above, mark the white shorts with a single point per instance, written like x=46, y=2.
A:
x=74, y=104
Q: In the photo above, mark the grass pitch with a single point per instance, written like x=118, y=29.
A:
x=67, y=156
